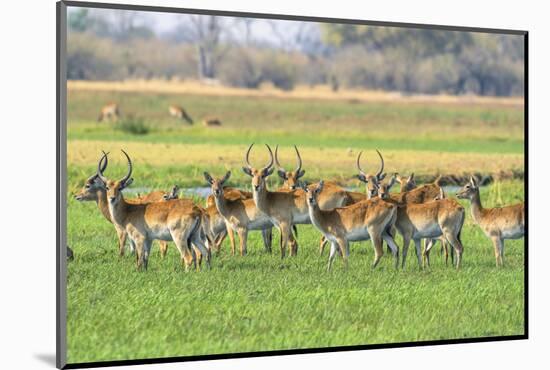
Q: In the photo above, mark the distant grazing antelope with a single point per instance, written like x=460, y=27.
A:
x=94, y=190
x=241, y=215
x=497, y=223
x=285, y=208
x=177, y=220
x=368, y=219
x=212, y=122
x=110, y=112
x=180, y=113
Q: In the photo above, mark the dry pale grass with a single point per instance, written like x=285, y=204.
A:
x=300, y=92
x=317, y=161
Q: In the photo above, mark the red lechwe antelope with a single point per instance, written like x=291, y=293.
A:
x=428, y=220
x=372, y=183
x=177, y=220
x=497, y=223
x=110, y=111
x=406, y=184
x=180, y=113
x=423, y=194
x=410, y=193
x=285, y=208
x=365, y=220
x=234, y=194
x=211, y=122
x=291, y=181
x=94, y=190
x=241, y=215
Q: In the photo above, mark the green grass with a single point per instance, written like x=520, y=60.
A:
x=261, y=302
x=320, y=123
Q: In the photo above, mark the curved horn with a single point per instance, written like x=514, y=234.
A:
x=299, y=160
x=381, y=164
x=277, y=158
x=359, y=166
x=100, y=168
x=125, y=178
x=270, y=158
x=247, y=154
x=105, y=162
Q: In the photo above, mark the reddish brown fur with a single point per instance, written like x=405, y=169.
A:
x=498, y=223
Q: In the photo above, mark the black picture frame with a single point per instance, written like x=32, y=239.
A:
x=61, y=186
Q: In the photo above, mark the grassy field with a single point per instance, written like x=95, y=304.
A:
x=261, y=302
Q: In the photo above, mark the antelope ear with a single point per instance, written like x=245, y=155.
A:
x=473, y=181
x=248, y=171
x=268, y=172
x=381, y=177
x=208, y=178
x=301, y=173
x=411, y=177
x=282, y=174
x=226, y=177
x=362, y=178
x=320, y=187
x=126, y=183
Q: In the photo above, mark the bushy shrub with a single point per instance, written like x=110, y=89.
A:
x=132, y=125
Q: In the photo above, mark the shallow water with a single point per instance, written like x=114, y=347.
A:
x=204, y=191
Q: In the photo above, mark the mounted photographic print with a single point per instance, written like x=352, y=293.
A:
x=235, y=184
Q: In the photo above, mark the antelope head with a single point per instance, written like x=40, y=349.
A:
x=114, y=188
x=407, y=184
x=312, y=192
x=291, y=178
x=385, y=187
x=372, y=181
x=173, y=194
x=93, y=184
x=258, y=175
x=469, y=190
x=217, y=185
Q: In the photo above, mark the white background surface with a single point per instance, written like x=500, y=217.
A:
x=27, y=211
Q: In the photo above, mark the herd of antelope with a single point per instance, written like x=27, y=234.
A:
x=111, y=113
x=341, y=216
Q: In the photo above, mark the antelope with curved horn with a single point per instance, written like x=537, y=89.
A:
x=291, y=178
x=110, y=112
x=284, y=208
x=291, y=181
x=180, y=113
x=241, y=215
x=94, y=190
x=372, y=181
x=498, y=223
x=365, y=220
x=177, y=220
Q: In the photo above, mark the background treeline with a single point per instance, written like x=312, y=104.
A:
x=115, y=45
